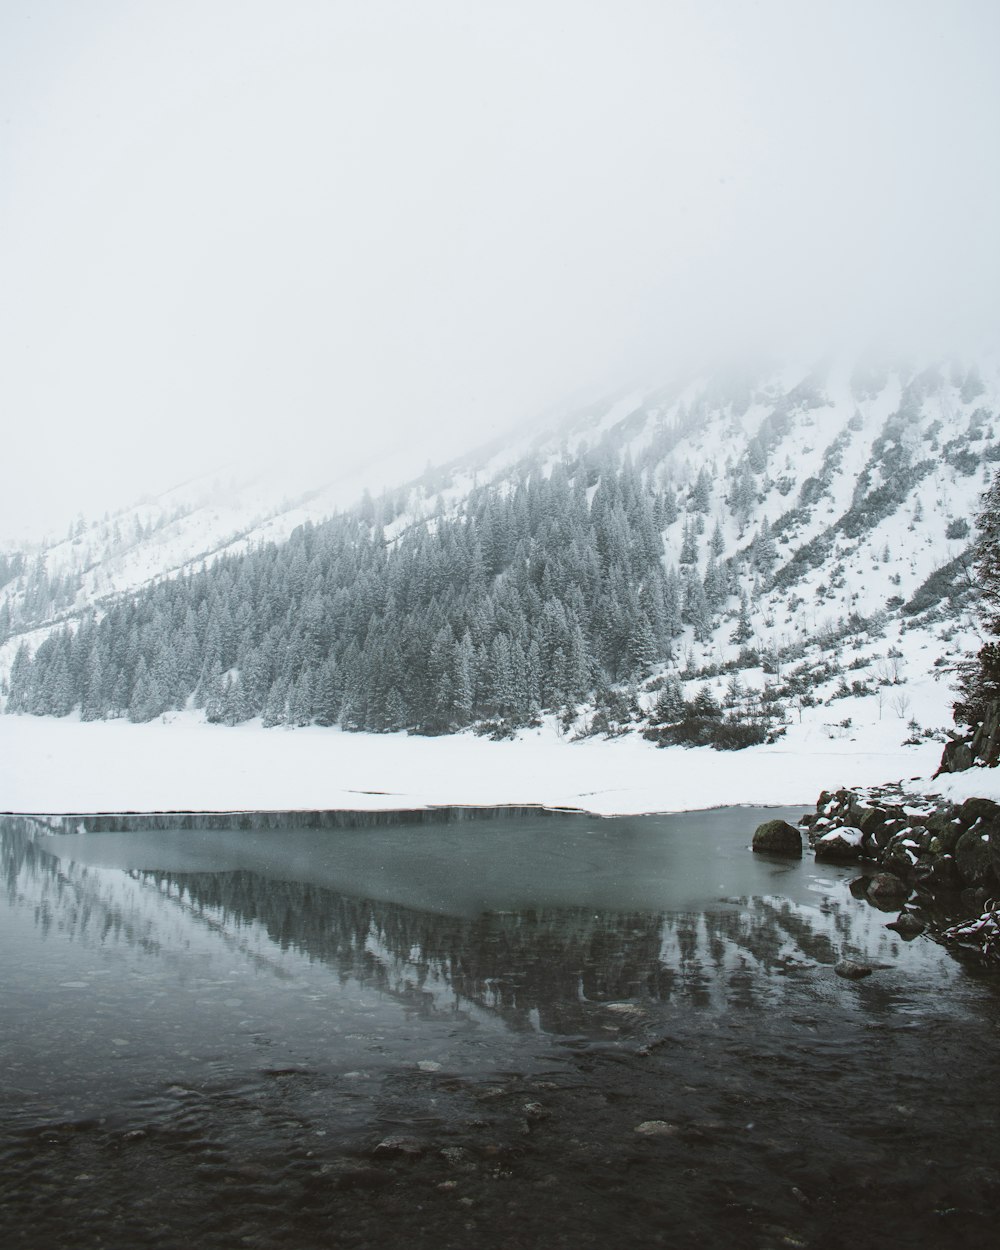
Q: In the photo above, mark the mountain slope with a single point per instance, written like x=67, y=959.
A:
x=733, y=532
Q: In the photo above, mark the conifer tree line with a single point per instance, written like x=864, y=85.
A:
x=530, y=597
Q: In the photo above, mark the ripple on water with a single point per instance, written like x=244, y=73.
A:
x=219, y=1054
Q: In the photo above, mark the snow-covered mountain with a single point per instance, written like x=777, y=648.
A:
x=817, y=521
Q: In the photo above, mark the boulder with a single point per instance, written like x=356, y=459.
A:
x=900, y=861
x=939, y=873
x=957, y=757
x=973, y=857
x=852, y=971
x=946, y=828
x=871, y=820
x=882, y=835
x=777, y=837
x=907, y=926
x=985, y=742
x=841, y=845
x=978, y=809
x=886, y=890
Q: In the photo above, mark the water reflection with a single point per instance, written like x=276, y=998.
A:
x=211, y=1038
x=559, y=969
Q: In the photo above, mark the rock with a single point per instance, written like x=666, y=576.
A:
x=852, y=971
x=986, y=741
x=656, y=1128
x=777, y=837
x=869, y=847
x=458, y=1157
x=871, y=819
x=900, y=861
x=400, y=1146
x=907, y=926
x=859, y=886
x=946, y=828
x=973, y=858
x=939, y=873
x=886, y=889
x=957, y=757
x=978, y=809
x=840, y=844
x=883, y=835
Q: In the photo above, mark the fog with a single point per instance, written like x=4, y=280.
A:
x=314, y=230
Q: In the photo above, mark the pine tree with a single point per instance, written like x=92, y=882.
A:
x=701, y=493
x=146, y=701
x=92, y=704
x=764, y=553
x=20, y=680
x=717, y=544
x=669, y=705
x=744, y=630
x=705, y=703
x=689, y=545
x=275, y=710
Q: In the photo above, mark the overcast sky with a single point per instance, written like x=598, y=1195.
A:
x=235, y=228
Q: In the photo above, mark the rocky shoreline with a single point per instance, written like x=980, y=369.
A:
x=935, y=862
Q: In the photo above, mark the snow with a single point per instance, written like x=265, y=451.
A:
x=847, y=834
x=974, y=783
x=853, y=740
x=66, y=766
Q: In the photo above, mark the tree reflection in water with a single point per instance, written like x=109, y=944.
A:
x=167, y=1018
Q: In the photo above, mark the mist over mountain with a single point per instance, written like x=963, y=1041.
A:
x=765, y=542
x=231, y=232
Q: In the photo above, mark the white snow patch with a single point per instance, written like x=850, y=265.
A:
x=847, y=834
x=974, y=783
x=70, y=766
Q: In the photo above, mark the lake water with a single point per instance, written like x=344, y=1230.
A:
x=542, y=1031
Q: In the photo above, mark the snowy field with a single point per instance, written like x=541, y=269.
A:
x=59, y=766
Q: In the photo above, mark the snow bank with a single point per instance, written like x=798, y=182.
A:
x=58, y=766
x=975, y=783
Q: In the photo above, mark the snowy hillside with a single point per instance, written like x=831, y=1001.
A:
x=56, y=579
x=811, y=529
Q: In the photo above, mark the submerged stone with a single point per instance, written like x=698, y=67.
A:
x=656, y=1128
x=886, y=890
x=405, y=1146
x=907, y=926
x=778, y=837
x=850, y=970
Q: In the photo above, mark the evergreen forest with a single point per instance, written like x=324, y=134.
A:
x=526, y=598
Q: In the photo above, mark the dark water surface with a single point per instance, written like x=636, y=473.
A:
x=542, y=1031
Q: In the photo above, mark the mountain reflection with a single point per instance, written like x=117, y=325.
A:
x=557, y=969
x=563, y=970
